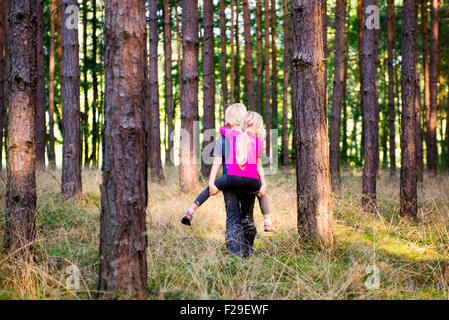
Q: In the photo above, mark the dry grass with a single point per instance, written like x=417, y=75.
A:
x=412, y=257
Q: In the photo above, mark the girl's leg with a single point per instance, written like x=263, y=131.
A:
x=265, y=209
x=221, y=183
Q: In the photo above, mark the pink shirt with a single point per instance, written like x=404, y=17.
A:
x=255, y=150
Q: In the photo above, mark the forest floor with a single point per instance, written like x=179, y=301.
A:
x=410, y=258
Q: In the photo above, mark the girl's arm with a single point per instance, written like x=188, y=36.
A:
x=213, y=175
x=261, y=172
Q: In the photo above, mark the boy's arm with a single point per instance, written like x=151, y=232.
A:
x=213, y=175
x=261, y=172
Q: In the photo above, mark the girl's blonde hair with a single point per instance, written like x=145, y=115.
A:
x=251, y=123
x=234, y=114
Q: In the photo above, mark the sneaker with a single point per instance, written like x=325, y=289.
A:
x=269, y=226
x=187, y=218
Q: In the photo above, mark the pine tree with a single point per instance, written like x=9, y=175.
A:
x=20, y=226
x=188, y=171
x=70, y=91
x=123, y=242
x=315, y=216
x=408, y=190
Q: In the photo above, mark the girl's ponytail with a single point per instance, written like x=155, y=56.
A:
x=242, y=149
x=251, y=123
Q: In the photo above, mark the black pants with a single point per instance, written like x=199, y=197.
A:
x=240, y=227
x=235, y=183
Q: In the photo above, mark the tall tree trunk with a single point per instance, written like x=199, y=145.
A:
x=178, y=46
x=324, y=12
x=418, y=130
x=370, y=109
x=409, y=195
x=152, y=101
x=232, y=88
x=70, y=91
x=224, y=85
x=258, y=56
x=344, y=147
x=41, y=134
x=447, y=131
x=3, y=49
x=237, y=54
x=360, y=22
x=337, y=96
x=267, y=74
x=315, y=216
x=249, y=77
x=440, y=99
x=391, y=106
x=95, y=131
x=425, y=62
x=432, y=156
x=169, y=109
x=85, y=114
x=123, y=242
x=58, y=24
x=285, y=84
x=21, y=147
x=188, y=174
x=51, y=91
x=274, y=68
x=208, y=84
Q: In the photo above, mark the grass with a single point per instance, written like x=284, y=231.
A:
x=192, y=263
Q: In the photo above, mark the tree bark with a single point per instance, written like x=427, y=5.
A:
x=224, y=85
x=440, y=97
x=360, y=21
x=267, y=75
x=274, y=68
x=70, y=91
x=58, y=24
x=3, y=49
x=232, y=71
x=337, y=96
x=285, y=84
x=51, y=91
x=85, y=114
x=315, y=216
x=391, y=106
x=408, y=124
x=258, y=90
x=169, y=109
x=370, y=109
x=188, y=174
x=95, y=130
x=20, y=207
x=324, y=12
x=418, y=130
x=249, y=77
x=432, y=152
x=123, y=242
x=208, y=83
x=425, y=62
x=152, y=101
x=344, y=147
x=447, y=131
x=41, y=134
x=238, y=90
x=178, y=45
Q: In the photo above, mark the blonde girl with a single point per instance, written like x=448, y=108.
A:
x=244, y=171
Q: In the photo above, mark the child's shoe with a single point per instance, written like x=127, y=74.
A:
x=187, y=218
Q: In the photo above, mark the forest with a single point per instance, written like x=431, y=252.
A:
x=110, y=111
